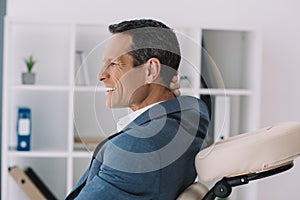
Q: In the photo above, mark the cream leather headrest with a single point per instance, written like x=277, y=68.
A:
x=250, y=152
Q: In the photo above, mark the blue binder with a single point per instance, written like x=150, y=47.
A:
x=24, y=129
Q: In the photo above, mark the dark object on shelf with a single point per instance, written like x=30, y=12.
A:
x=39, y=184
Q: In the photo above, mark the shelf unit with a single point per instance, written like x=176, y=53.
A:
x=67, y=100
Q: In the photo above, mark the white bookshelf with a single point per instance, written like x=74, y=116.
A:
x=57, y=101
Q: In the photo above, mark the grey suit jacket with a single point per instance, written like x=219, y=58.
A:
x=152, y=158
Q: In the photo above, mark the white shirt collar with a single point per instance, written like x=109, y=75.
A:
x=124, y=121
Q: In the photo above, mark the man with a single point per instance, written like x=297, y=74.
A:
x=152, y=156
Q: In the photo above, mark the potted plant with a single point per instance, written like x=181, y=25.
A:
x=29, y=77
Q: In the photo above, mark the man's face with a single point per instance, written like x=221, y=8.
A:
x=125, y=84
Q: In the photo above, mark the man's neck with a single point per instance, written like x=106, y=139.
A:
x=156, y=93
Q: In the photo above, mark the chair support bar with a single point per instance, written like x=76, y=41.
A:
x=223, y=188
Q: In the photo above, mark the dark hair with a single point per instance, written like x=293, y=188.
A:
x=150, y=39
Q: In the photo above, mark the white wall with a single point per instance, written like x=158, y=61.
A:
x=277, y=19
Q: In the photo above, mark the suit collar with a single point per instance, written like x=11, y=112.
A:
x=124, y=121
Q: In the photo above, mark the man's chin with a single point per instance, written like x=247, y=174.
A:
x=112, y=105
x=108, y=106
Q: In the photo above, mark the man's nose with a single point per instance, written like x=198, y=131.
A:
x=103, y=74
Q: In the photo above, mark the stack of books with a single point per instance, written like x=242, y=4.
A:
x=87, y=143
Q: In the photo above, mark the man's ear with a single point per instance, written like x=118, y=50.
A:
x=153, y=70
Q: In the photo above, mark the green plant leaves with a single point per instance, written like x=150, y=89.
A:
x=30, y=62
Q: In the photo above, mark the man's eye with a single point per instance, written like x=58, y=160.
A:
x=113, y=64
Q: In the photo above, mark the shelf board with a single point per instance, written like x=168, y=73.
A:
x=50, y=154
x=40, y=87
x=213, y=91
x=46, y=154
x=82, y=154
x=216, y=92
x=89, y=89
x=230, y=92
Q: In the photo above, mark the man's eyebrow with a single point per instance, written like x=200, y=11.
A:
x=109, y=59
x=115, y=59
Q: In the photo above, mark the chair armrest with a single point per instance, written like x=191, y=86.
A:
x=195, y=191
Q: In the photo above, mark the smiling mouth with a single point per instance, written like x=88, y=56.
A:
x=110, y=89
